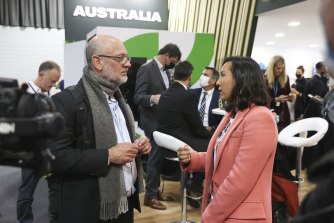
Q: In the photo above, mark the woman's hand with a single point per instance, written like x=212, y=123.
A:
x=184, y=155
x=283, y=98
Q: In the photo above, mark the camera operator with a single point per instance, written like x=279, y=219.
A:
x=48, y=75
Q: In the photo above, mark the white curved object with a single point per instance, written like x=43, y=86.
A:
x=219, y=111
x=167, y=141
x=289, y=136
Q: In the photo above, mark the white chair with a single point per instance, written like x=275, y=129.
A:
x=172, y=143
x=295, y=135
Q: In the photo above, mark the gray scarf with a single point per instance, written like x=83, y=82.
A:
x=113, y=196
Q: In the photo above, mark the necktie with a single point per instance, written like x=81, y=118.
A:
x=202, y=107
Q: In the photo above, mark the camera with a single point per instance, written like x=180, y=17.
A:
x=27, y=122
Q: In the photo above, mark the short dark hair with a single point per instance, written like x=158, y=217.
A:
x=183, y=70
x=215, y=73
x=249, y=87
x=172, y=50
x=319, y=65
x=48, y=65
x=301, y=68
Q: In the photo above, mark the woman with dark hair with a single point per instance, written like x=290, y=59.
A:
x=239, y=159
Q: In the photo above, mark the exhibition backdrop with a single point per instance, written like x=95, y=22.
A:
x=198, y=48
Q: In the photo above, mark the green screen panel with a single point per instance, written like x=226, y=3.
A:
x=201, y=53
x=144, y=45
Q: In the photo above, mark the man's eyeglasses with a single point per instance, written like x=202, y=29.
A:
x=119, y=59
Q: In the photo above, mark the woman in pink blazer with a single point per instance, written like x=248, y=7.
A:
x=239, y=160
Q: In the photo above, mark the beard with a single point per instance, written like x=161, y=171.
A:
x=111, y=76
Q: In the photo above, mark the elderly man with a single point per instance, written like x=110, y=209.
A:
x=97, y=174
x=48, y=75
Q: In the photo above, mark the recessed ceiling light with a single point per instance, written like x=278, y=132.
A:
x=270, y=43
x=313, y=45
x=294, y=23
x=279, y=35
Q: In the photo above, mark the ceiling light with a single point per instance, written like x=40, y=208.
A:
x=313, y=45
x=294, y=23
x=270, y=43
x=279, y=35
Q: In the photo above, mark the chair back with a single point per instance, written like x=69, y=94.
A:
x=289, y=136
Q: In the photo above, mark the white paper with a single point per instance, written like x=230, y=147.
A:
x=167, y=141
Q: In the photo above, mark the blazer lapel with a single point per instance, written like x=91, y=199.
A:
x=212, y=142
x=158, y=73
x=236, y=122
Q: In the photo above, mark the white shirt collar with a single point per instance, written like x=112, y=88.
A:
x=185, y=87
x=159, y=64
x=210, y=92
x=33, y=88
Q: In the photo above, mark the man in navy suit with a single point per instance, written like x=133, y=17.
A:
x=208, y=81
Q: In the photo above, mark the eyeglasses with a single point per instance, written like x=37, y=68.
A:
x=119, y=59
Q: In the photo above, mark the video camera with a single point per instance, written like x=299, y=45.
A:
x=27, y=121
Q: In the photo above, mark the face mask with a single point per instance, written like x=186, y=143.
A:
x=204, y=81
x=298, y=76
x=170, y=66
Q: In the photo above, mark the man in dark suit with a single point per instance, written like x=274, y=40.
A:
x=208, y=98
x=152, y=79
x=178, y=116
x=316, y=86
x=298, y=90
x=177, y=111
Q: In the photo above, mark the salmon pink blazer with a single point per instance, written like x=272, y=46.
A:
x=242, y=175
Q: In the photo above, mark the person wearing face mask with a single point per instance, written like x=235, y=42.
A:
x=208, y=98
x=298, y=90
x=316, y=86
x=152, y=79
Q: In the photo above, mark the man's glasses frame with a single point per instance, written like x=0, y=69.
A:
x=119, y=59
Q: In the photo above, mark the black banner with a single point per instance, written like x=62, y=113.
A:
x=82, y=16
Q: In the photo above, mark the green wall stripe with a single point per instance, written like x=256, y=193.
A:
x=201, y=56
x=145, y=45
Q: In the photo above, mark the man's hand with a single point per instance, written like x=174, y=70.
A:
x=294, y=91
x=155, y=98
x=123, y=153
x=144, y=145
x=317, y=99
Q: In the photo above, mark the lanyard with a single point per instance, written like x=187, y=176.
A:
x=276, y=87
x=48, y=92
x=32, y=88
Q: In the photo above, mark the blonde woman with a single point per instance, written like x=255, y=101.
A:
x=279, y=90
